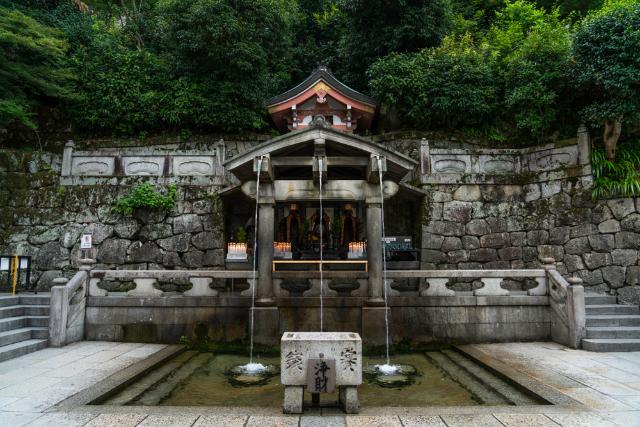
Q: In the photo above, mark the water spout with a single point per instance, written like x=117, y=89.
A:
x=321, y=250
x=384, y=260
x=255, y=250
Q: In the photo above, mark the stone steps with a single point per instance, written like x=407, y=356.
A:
x=611, y=320
x=134, y=391
x=479, y=389
x=611, y=326
x=24, y=310
x=163, y=388
x=592, y=299
x=24, y=324
x=9, y=323
x=505, y=389
x=612, y=309
x=22, y=334
x=614, y=344
x=21, y=348
x=613, y=332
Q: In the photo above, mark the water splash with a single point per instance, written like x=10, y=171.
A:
x=384, y=260
x=255, y=250
x=321, y=250
x=253, y=368
x=387, y=369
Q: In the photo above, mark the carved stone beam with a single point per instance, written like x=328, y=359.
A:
x=266, y=192
x=373, y=169
x=266, y=170
x=372, y=191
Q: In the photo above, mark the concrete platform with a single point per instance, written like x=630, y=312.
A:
x=605, y=385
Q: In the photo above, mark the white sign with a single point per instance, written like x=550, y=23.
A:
x=85, y=241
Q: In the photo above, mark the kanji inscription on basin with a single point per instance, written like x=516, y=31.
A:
x=321, y=375
x=299, y=349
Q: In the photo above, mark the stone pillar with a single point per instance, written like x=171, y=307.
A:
x=266, y=225
x=584, y=145
x=58, y=313
x=67, y=156
x=374, y=252
x=576, y=312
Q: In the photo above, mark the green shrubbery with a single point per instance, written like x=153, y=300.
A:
x=619, y=177
x=512, y=77
x=145, y=196
x=513, y=71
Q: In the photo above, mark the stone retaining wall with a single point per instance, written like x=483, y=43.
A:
x=45, y=220
x=510, y=226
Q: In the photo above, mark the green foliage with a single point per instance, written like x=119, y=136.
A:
x=619, y=178
x=145, y=196
x=376, y=28
x=607, y=64
x=32, y=70
x=530, y=51
x=122, y=89
x=228, y=55
x=448, y=86
x=509, y=82
x=241, y=235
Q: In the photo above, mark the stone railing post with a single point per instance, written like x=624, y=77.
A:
x=58, y=312
x=584, y=145
x=576, y=311
x=67, y=157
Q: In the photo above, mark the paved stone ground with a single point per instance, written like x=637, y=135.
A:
x=608, y=385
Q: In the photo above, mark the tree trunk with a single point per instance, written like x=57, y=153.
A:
x=612, y=129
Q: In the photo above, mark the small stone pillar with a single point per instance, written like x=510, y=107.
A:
x=584, y=145
x=59, y=310
x=576, y=311
x=67, y=157
x=374, y=252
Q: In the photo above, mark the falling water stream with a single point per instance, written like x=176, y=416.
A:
x=321, y=250
x=387, y=368
x=254, y=368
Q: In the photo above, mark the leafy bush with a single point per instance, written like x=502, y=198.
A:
x=145, y=196
x=376, y=28
x=123, y=90
x=530, y=52
x=32, y=70
x=607, y=68
x=619, y=177
x=447, y=86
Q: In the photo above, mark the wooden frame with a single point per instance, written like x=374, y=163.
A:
x=320, y=263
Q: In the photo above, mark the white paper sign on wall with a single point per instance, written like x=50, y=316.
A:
x=85, y=241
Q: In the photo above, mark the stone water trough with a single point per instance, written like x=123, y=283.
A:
x=322, y=362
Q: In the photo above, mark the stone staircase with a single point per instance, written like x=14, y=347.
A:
x=483, y=384
x=24, y=324
x=611, y=326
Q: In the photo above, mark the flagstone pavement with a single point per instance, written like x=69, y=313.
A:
x=607, y=385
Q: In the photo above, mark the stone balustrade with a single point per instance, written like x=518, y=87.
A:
x=431, y=283
x=110, y=166
x=486, y=165
x=145, y=281
x=434, y=282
